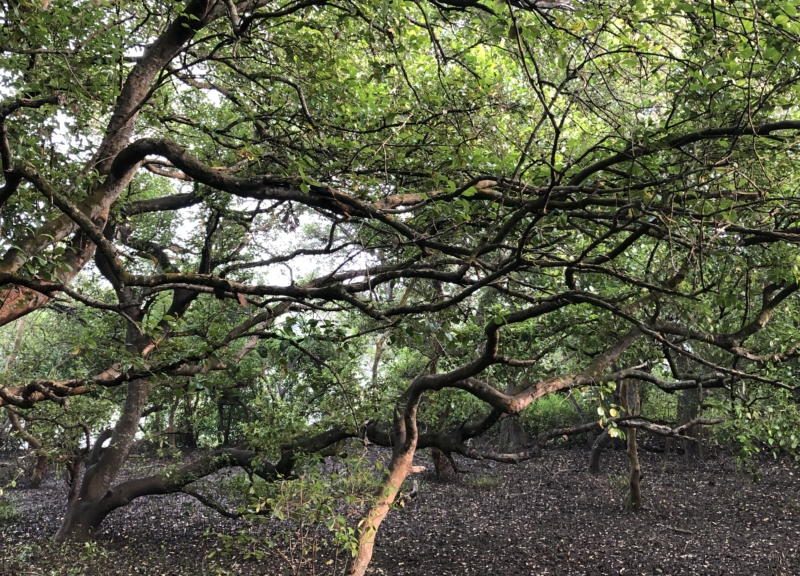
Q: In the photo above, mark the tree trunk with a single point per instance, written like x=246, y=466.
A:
x=513, y=437
x=188, y=437
x=399, y=469
x=443, y=464
x=39, y=469
x=89, y=505
x=634, y=501
x=81, y=521
x=629, y=394
x=406, y=435
x=600, y=444
x=92, y=498
x=171, y=423
x=688, y=410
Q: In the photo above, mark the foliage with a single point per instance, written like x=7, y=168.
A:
x=8, y=510
x=484, y=482
x=276, y=226
x=556, y=411
x=322, y=496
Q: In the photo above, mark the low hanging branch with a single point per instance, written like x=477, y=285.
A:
x=214, y=505
x=535, y=449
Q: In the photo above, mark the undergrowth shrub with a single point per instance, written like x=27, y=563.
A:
x=319, y=508
x=8, y=510
x=556, y=411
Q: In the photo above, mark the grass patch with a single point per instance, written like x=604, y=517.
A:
x=484, y=482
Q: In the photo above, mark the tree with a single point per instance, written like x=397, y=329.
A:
x=507, y=181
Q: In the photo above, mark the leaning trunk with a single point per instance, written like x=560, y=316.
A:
x=406, y=436
x=399, y=469
x=81, y=521
x=88, y=507
x=598, y=447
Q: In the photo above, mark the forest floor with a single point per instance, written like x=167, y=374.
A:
x=545, y=516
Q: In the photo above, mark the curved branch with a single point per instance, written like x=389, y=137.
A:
x=667, y=143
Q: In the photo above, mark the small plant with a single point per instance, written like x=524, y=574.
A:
x=8, y=511
x=618, y=483
x=309, y=506
x=484, y=482
x=92, y=550
x=17, y=559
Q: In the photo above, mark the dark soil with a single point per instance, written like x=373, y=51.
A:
x=546, y=516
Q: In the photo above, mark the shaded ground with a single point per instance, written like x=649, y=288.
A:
x=542, y=517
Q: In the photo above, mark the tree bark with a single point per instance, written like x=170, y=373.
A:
x=512, y=435
x=86, y=507
x=599, y=446
x=406, y=436
x=84, y=516
x=443, y=462
x=87, y=510
x=171, y=423
x=399, y=469
x=445, y=471
x=629, y=394
x=688, y=410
